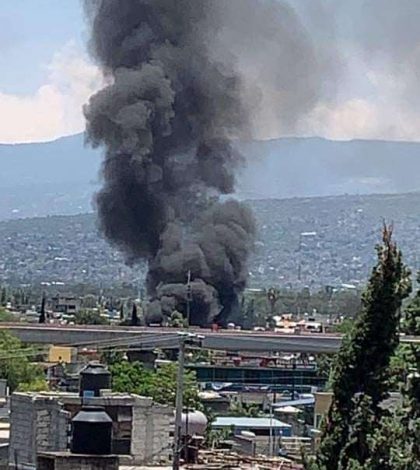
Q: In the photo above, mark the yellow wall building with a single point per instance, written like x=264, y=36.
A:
x=61, y=354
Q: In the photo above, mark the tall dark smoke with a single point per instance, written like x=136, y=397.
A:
x=167, y=120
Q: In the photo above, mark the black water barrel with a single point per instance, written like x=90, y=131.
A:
x=91, y=432
x=93, y=379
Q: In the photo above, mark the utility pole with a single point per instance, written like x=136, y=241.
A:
x=179, y=404
x=293, y=377
x=271, y=430
x=189, y=298
x=185, y=338
x=300, y=258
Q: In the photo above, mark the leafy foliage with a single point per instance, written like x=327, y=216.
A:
x=90, y=317
x=344, y=327
x=411, y=324
x=5, y=316
x=401, y=363
x=177, y=320
x=324, y=364
x=160, y=384
x=244, y=409
x=15, y=365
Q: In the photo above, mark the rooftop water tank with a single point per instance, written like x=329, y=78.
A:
x=94, y=378
x=194, y=423
x=91, y=432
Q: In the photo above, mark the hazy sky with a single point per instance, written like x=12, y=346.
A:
x=46, y=76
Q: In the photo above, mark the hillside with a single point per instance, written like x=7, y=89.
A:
x=68, y=250
x=56, y=177
x=60, y=177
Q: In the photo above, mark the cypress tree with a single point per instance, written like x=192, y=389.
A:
x=42, y=316
x=396, y=441
x=134, y=317
x=412, y=315
x=361, y=367
x=3, y=299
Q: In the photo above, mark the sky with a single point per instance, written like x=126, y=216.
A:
x=46, y=74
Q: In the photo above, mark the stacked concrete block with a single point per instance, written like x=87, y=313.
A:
x=151, y=436
x=37, y=424
x=67, y=461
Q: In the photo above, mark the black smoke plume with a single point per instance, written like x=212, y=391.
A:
x=167, y=119
x=186, y=80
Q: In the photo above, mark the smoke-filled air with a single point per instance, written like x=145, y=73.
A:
x=177, y=101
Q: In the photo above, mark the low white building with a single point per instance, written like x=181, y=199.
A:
x=265, y=433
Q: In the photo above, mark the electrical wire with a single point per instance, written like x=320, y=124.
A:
x=124, y=339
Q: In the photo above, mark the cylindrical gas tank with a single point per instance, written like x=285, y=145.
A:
x=193, y=423
x=94, y=378
x=91, y=431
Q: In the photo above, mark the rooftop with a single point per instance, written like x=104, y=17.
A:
x=245, y=422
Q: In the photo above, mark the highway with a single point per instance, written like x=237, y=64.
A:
x=227, y=340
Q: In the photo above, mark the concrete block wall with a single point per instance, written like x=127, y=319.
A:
x=52, y=425
x=37, y=424
x=151, y=433
x=22, y=430
x=67, y=461
x=40, y=423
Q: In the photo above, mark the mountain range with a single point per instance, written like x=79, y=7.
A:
x=60, y=177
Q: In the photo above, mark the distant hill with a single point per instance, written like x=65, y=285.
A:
x=40, y=179
x=60, y=177
x=67, y=250
x=302, y=167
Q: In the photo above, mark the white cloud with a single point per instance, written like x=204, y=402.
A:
x=56, y=107
x=383, y=115
x=354, y=118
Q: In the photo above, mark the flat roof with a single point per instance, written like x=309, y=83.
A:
x=299, y=402
x=288, y=409
x=245, y=422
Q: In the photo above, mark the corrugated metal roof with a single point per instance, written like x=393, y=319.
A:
x=245, y=422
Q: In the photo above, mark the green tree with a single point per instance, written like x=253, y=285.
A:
x=400, y=366
x=5, y=316
x=177, y=320
x=90, y=317
x=110, y=356
x=344, y=327
x=395, y=440
x=3, y=296
x=362, y=365
x=15, y=365
x=89, y=301
x=357, y=450
x=238, y=408
x=132, y=377
x=324, y=363
x=411, y=323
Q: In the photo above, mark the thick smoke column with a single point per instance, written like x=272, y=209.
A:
x=167, y=120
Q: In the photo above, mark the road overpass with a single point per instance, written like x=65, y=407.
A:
x=83, y=335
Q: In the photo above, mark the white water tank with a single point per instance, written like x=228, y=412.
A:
x=194, y=423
